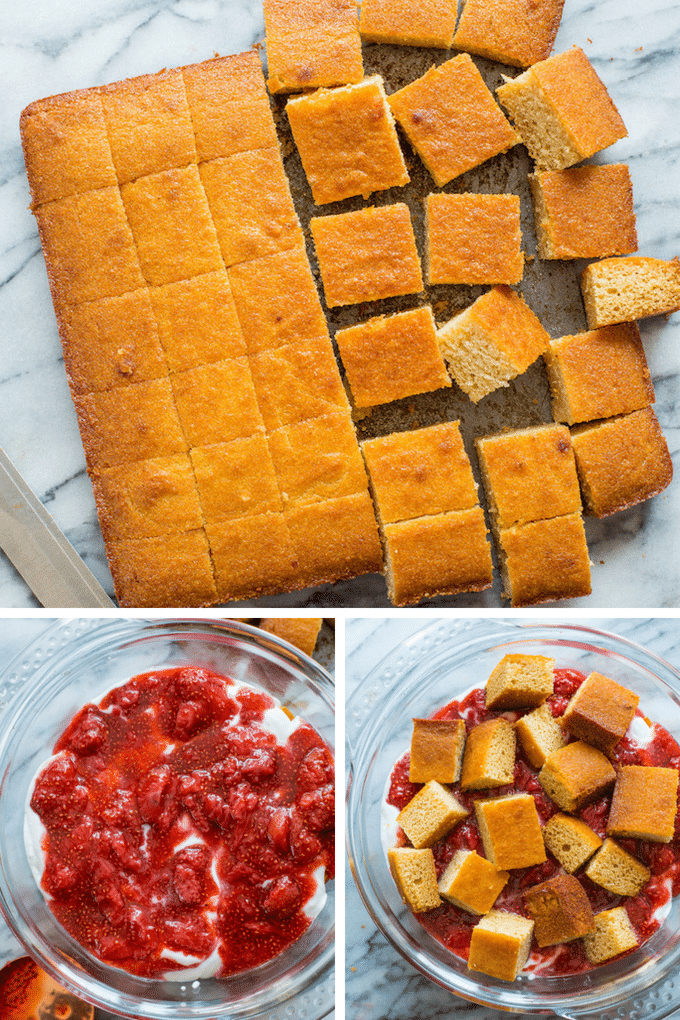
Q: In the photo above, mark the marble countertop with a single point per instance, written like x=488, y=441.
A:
x=51, y=46
x=379, y=983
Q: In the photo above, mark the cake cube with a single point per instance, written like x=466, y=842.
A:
x=489, y=758
x=416, y=877
x=236, y=479
x=520, y=681
x=392, y=356
x=347, y=141
x=471, y=883
x=600, y=712
x=311, y=43
x=644, y=803
x=619, y=290
x=515, y=32
x=539, y=735
x=560, y=909
x=217, y=403
x=598, y=374
x=621, y=461
x=430, y=815
x=297, y=382
x=436, y=750
x=451, y=120
x=613, y=935
x=421, y=472
x=253, y=556
x=575, y=775
x=335, y=538
x=408, y=22
x=585, y=212
x=544, y=560
x=439, y=555
x=367, y=255
x=500, y=945
x=617, y=871
x=529, y=474
x=511, y=831
x=499, y=332
x=570, y=840
x=473, y=239
x=169, y=570
x=562, y=110
x=303, y=632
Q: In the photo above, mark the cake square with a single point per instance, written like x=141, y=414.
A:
x=500, y=945
x=473, y=239
x=529, y=474
x=561, y=910
x=613, y=935
x=253, y=556
x=217, y=403
x=335, y=538
x=471, y=882
x=562, y=110
x=66, y=146
x=391, y=357
x=297, y=382
x=644, y=803
x=500, y=331
x=620, y=290
x=197, y=321
x=312, y=43
x=489, y=758
x=600, y=712
x=436, y=750
x=88, y=247
x=172, y=226
x=173, y=570
x=545, y=560
x=251, y=205
x=570, y=840
x=584, y=212
x=347, y=141
x=236, y=479
x=408, y=23
x=539, y=735
x=418, y=473
x=451, y=120
x=576, y=775
x=367, y=255
x=617, y=871
x=147, y=499
x=520, y=681
x=621, y=461
x=515, y=32
x=598, y=374
x=302, y=632
x=510, y=831
x=415, y=876
x=149, y=124
x=129, y=423
x=229, y=105
x=317, y=460
x=440, y=555
x=430, y=815
x=277, y=301
x=111, y=342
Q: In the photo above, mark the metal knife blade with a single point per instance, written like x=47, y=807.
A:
x=42, y=554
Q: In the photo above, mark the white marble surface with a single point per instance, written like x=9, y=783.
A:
x=50, y=46
x=379, y=983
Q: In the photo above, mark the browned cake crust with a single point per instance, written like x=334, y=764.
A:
x=515, y=32
x=560, y=909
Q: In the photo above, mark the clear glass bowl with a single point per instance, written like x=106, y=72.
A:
x=77, y=661
x=436, y=665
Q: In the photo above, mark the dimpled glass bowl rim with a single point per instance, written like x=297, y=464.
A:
x=296, y=984
x=378, y=721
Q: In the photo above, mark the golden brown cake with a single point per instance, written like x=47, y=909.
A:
x=391, y=357
x=570, y=840
x=450, y=118
x=598, y=374
x=520, y=681
x=473, y=239
x=431, y=814
x=347, y=141
x=613, y=935
x=510, y=831
x=217, y=403
x=296, y=382
x=489, y=758
x=576, y=775
x=311, y=43
x=621, y=461
x=600, y=712
x=515, y=32
x=585, y=212
x=408, y=22
x=367, y=255
x=562, y=110
x=500, y=944
x=491, y=342
x=334, y=538
x=560, y=909
x=539, y=735
x=436, y=750
x=416, y=877
x=170, y=570
x=644, y=804
x=471, y=882
x=303, y=632
x=236, y=479
x=619, y=290
x=617, y=871
x=252, y=556
x=545, y=560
